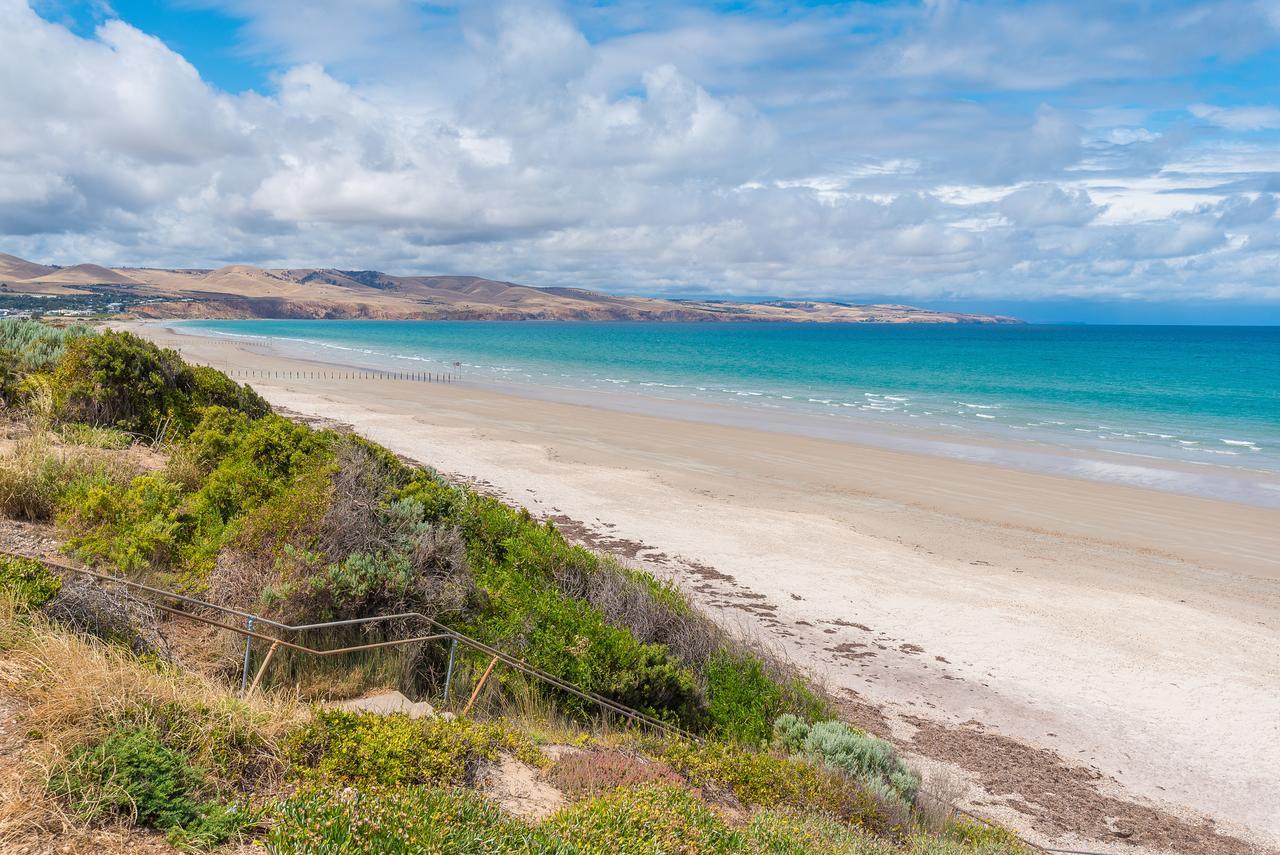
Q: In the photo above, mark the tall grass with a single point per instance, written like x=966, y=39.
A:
x=77, y=690
x=38, y=471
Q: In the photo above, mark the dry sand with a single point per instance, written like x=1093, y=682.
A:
x=1134, y=635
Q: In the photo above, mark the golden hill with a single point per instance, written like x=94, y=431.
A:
x=245, y=291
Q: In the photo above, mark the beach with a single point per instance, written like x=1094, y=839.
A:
x=1131, y=632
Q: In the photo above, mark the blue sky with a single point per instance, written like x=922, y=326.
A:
x=1090, y=160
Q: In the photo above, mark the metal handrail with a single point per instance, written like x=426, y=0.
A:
x=443, y=632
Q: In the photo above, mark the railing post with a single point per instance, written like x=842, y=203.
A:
x=244, y=672
x=475, y=693
x=448, y=674
x=263, y=669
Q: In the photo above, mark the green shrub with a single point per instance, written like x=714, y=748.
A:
x=641, y=821
x=791, y=832
x=985, y=838
x=256, y=461
x=30, y=583
x=571, y=640
x=119, y=380
x=218, y=432
x=211, y=388
x=132, y=774
x=364, y=749
x=440, y=500
x=765, y=779
x=223, y=735
x=132, y=528
x=406, y=821
x=156, y=523
x=790, y=732
x=742, y=701
x=116, y=379
x=871, y=760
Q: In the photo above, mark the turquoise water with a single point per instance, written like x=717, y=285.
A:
x=1192, y=395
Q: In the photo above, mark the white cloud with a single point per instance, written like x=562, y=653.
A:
x=1238, y=118
x=718, y=154
x=1049, y=205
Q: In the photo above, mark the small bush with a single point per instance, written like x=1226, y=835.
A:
x=790, y=732
x=132, y=774
x=131, y=527
x=642, y=821
x=742, y=701
x=31, y=583
x=765, y=779
x=982, y=837
x=363, y=749
x=35, y=476
x=118, y=380
x=404, y=821
x=790, y=832
x=35, y=346
x=871, y=760
x=590, y=773
x=211, y=388
x=109, y=615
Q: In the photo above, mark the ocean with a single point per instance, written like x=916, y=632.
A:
x=1190, y=409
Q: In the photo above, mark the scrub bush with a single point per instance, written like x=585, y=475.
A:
x=403, y=821
x=132, y=774
x=30, y=583
x=873, y=761
x=116, y=379
x=766, y=779
x=36, y=475
x=642, y=821
x=364, y=749
x=590, y=773
x=742, y=701
x=35, y=346
x=131, y=528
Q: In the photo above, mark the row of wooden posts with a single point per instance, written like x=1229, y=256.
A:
x=411, y=376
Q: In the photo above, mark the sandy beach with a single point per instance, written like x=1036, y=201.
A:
x=1110, y=644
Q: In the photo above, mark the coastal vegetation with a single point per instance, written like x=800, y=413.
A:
x=145, y=466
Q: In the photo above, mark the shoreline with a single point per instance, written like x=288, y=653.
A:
x=1028, y=450
x=1113, y=625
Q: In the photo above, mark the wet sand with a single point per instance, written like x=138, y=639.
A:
x=1132, y=631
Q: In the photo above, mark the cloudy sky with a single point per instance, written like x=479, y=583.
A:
x=941, y=152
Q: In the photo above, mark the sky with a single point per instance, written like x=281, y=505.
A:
x=1063, y=161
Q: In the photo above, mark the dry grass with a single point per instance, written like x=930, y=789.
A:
x=71, y=690
x=38, y=468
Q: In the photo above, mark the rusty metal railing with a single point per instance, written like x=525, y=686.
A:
x=441, y=632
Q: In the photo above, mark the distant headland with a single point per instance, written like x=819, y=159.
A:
x=244, y=291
